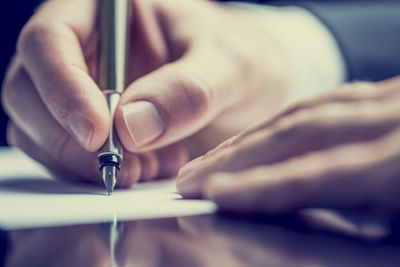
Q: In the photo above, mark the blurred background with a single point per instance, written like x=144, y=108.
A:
x=13, y=15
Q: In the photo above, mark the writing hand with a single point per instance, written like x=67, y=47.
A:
x=185, y=73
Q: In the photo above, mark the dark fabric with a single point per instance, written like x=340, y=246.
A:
x=368, y=32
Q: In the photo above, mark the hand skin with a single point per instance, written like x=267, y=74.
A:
x=339, y=150
x=189, y=80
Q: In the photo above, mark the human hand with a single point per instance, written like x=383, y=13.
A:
x=339, y=150
x=185, y=72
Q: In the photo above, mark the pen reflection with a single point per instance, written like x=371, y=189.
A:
x=192, y=241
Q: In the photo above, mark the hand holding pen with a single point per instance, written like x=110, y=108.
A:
x=195, y=76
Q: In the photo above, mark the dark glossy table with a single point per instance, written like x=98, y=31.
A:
x=212, y=240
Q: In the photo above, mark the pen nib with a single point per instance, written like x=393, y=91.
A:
x=109, y=174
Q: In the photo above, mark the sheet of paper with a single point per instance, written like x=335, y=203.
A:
x=29, y=197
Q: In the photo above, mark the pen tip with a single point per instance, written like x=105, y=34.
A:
x=109, y=174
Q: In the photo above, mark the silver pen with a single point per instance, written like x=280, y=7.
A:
x=113, y=22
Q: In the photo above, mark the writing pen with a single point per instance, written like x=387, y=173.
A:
x=113, y=22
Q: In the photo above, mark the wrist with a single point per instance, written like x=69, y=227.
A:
x=313, y=60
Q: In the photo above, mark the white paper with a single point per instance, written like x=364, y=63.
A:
x=29, y=197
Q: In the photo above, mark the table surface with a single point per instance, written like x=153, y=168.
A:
x=207, y=240
x=313, y=237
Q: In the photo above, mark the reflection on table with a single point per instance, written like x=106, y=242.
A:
x=195, y=241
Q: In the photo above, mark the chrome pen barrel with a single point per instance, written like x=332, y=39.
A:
x=113, y=21
x=112, y=144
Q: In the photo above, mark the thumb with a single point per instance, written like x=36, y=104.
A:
x=175, y=101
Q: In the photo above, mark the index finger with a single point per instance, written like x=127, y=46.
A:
x=54, y=47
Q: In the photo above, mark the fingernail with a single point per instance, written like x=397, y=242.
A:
x=143, y=121
x=81, y=128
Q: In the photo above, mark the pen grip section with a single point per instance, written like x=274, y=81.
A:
x=112, y=144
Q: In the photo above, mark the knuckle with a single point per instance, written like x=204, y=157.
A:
x=32, y=35
x=36, y=34
x=296, y=107
x=196, y=93
x=294, y=125
x=231, y=142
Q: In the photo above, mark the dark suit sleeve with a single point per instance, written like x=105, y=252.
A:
x=368, y=34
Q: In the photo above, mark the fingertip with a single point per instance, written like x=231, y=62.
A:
x=139, y=124
x=183, y=188
x=89, y=121
x=189, y=167
x=188, y=187
x=91, y=130
x=188, y=184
